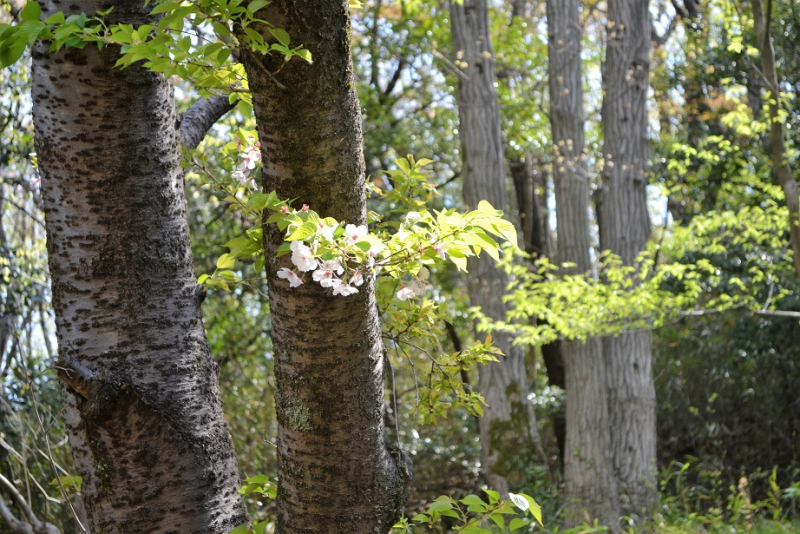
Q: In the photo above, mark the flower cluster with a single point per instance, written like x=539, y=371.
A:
x=251, y=156
x=417, y=287
x=327, y=270
x=339, y=256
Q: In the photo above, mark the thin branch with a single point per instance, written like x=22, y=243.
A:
x=19, y=499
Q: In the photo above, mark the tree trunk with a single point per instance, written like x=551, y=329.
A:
x=625, y=230
x=777, y=133
x=336, y=473
x=141, y=396
x=588, y=470
x=508, y=429
x=535, y=233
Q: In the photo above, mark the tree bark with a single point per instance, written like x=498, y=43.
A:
x=588, y=471
x=625, y=230
x=141, y=396
x=508, y=428
x=336, y=473
x=777, y=133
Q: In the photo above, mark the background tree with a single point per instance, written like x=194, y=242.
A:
x=509, y=423
x=591, y=487
x=624, y=230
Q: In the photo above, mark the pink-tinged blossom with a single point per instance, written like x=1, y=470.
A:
x=304, y=209
x=373, y=252
x=354, y=233
x=334, y=265
x=325, y=231
x=441, y=250
x=405, y=293
x=357, y=279
x=291, y=276
x=343, y=289
x=325, y=278
x=251, y=156
x=416, y=288
x=302, y=256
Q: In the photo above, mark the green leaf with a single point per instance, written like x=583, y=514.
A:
x=31, y=12
x=11, y=50
x=258, y=479
x=241, y=529
x=494, y=496
x=516, y=524
x=165, y=7
x=534, y=508
x=281, y=35
x=498, y=520
x=255, y=5
x=245, y=108
x=55, y=18
x=304, y=54
x=439, y=506
x=307, y=229
x=226, y=261
x=472, y=499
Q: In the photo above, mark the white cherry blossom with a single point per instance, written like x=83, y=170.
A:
x=291, y=276
x=405, y=293
x=357, y=279
x=325, y=231
x=354, y=233
x=343, y=289
x=302, y=256
x=334, y=265
x=325, y=278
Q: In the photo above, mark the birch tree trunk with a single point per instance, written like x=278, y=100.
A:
x=777, y=132
x=588, y=464
x=336, y=473
x=624, y=230
x=508, y=428
x=140, y=389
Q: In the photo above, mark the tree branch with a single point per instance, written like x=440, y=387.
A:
x=74, y=375
x=35, y=526
x=200, y=117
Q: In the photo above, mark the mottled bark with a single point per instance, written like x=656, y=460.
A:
x=508, y=428
x=625, y=230
x=335, y=470
x=777, y=133
x=141, y=396
x=588, y=470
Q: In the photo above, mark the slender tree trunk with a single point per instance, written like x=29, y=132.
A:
x=141, y=396
x=625, y=230
x=508, y=429
x=588, y=471
x=777, y=133
x=535, y=233
x=336, y=473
